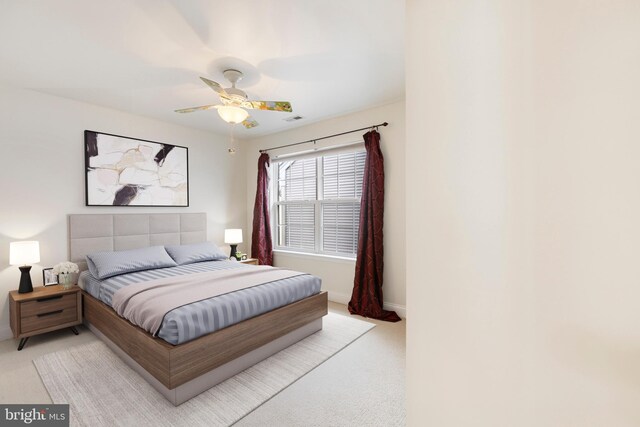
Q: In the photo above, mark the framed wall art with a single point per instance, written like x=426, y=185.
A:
x=123, y=171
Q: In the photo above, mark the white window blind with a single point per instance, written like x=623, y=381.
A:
x=317, y=203
x=340, y=227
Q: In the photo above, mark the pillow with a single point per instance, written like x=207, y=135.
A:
x=103, y=265
x=197, y=252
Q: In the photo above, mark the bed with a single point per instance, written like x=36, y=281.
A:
x=184, y=359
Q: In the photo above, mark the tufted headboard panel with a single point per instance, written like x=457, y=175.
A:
x=116, y=232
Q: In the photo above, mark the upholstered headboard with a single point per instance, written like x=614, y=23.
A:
x=116, y=232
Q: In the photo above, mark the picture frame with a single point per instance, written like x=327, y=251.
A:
x=125, y=171
x=48, y=277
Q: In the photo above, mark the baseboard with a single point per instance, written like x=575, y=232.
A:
x=339, y=298
x=400, y=309
x=5, y=333
x=344, y=299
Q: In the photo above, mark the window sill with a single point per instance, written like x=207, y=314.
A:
x=309, y=255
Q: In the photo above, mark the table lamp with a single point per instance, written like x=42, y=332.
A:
x=23, y=253
x=233, y=236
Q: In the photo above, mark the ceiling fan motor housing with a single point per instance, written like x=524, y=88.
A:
x=236, y=95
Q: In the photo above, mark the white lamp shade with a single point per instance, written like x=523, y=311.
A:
x=231, y=114
x=233, y=236
x=24, y=253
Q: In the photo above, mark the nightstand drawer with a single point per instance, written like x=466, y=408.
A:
x=47, y=304
x=51, y=318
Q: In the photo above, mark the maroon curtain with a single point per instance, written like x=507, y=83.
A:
x=366, y=299
x=261, y=247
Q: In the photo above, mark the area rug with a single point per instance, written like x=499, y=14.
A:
x=103, y=391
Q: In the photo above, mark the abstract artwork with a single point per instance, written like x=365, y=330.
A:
x=123, y=171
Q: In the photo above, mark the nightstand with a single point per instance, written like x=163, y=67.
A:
x=45, y=309
x=253, y=261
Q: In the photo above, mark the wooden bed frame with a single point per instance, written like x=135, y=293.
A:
x=175, y=365
x=182, y=371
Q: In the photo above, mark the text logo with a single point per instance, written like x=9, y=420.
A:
x=34, y=415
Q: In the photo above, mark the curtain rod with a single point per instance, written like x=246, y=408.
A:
x=325, y=137
x=312, y=151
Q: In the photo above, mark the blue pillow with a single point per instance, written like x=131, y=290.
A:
x=103, y=265
x=197, y=252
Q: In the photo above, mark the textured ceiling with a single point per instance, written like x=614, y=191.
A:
x=327, y=58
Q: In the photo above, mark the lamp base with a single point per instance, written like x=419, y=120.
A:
x=234, y=249
x=25, y=280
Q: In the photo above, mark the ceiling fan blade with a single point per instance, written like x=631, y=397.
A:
x=192, y=109
x=216, y=87
x=268, y=105
x=249, y=123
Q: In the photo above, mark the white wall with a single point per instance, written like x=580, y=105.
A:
x=523, y=131
x=42, y=144
x=337, y=275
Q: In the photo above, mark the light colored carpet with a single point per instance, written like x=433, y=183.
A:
x=102, y=390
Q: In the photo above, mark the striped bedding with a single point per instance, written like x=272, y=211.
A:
x=199, y=318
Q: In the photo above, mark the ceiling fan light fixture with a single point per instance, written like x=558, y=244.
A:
x=232, y=114
x=235, y=102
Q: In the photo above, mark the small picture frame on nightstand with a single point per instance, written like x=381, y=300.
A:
x=48, y=277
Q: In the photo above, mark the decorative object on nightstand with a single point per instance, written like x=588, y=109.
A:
x=253, y=261
x=67, y=273
x=233, y=236
x=48, y=278
x=45, y=309
x=22, y=254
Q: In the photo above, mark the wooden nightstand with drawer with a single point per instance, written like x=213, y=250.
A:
x=253, y=261
x=44, y=310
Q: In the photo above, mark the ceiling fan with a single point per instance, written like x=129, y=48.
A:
x=235, y=102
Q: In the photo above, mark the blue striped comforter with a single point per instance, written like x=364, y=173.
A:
x=199, y=318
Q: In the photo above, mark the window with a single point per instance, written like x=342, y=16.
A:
x=317, y=203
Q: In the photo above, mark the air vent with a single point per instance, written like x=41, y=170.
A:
x=293, y=118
